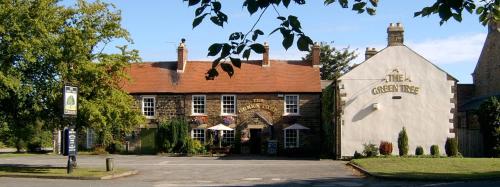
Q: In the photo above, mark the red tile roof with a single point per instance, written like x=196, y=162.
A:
x=281, y=76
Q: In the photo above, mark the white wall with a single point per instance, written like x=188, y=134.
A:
x=426, y=116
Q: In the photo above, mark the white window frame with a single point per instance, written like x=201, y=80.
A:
x=297, y=142
x=204, y=104
x=285, y=104
x=154, y=106
x=90, y=138
x=197, y=138
x=226, y=139
x=222, y=105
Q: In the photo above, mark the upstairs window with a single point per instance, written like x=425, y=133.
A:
x=228, y=104
x=198, y=104
x=148, y=107
x=291, y=104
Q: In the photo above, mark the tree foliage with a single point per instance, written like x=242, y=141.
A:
x=242, y=43
x=334, y=63
x=43, y=46
x=489, y=119
x=403, y=142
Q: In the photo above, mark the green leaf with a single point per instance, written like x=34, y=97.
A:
x=281, y=18
x=211, y=74
x=216, y=21
x=287, y=40
x=374, y=2
x=371, y=11
x=246, y=54
x=216, y=6
x=198, y=20
x=252, y=6
x=286, y=3
x=227, y=68
x=479, y=10
x=214, y=49
x=359, y=7
x=275, y=30
x=199, y=10
x=258, y=48
x=226, y=50
x=457, y=17
x=303, y=43
x=236, y=62
x=193, y=2
x=240, y=48
x=256, y=34
x=294, y=22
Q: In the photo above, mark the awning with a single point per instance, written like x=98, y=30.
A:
x=296, y=126
x=220, y=127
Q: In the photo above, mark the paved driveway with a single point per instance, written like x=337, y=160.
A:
x=161, y=171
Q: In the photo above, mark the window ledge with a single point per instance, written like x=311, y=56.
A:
x=292, y=115
x=233, y=115
x=150, y=117
x=194, y=115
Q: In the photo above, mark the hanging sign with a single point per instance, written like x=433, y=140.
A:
x=70, y=100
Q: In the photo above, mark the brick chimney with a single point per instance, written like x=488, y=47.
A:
x=265, y=56
x=315, y=55
x=181, y=56
x=370, y=52
x=395, y=35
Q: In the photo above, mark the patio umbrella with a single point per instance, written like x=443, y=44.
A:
x=220, y=128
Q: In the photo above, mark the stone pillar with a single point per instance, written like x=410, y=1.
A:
x=395, y=36
x=370, y=52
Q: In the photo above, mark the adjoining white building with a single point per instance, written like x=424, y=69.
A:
x=392, y=89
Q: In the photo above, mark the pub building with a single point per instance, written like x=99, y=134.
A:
x=265, y=102
x=394, y=88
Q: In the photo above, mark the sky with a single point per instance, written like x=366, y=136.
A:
x=157, y=26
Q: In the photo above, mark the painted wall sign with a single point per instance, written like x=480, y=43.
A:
x=70, y=100
x=258, y=106
x=396, y=82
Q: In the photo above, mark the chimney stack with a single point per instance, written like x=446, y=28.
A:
x=181, y=56
x=315, y=55
x=265, y=56
x=370, y=52
x=395, y=35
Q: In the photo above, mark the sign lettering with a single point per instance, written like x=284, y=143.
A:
x=399, y=83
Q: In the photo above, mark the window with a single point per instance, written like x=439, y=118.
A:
x=148, y=107
x=291, y=138
x=228, y=104
x=228, y=137
x=198, y=134
x=199, y=104
x=291, y=104
x=90, y=138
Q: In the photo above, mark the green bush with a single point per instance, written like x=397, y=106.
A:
x=451, y=147
x=357, y=155
x=489, y=119
x=403, y=142
x=435, y=150
x=385, y=148
x=370, y=150
x=419, y=151
x=172, y=136
x=194, y=146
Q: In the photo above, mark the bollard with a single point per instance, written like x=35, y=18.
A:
x=109, y=164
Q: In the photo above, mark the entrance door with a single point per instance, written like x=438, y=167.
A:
x=255, y=141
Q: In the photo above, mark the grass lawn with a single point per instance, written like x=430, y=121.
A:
x=55, y=171
x=9, y=155
x=432, y=168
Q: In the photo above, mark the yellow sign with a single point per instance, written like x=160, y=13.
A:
x=258, y=106
x=398, y=81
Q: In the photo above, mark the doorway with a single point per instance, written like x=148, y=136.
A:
x=255, y=141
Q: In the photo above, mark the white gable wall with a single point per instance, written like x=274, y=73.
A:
x=426, y=116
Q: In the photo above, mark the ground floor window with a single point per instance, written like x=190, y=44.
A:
x=198, y=134
x=228, y=137
x=291, y=138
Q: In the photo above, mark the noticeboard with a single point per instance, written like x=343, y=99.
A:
x=70, y=95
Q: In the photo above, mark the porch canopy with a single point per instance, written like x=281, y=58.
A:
x=296, y=126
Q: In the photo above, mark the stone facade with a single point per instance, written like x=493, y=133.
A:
x=264, y=111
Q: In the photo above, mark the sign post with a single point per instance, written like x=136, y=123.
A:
x=70, y=96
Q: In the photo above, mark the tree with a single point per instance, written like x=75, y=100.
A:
x=243, y=43
x=43, y=46
x=489, y=119
x=403, y=142
x=334, y=63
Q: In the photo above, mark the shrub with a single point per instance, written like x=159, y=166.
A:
x=99, y=150
x=370, y=150
x=435, y=150
x=403, y=142
x=419, y=151
x=489, y=119
x=172, y=136
x=194, y=146
x=451, y=147
x=385, y=148
x=357, y=155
